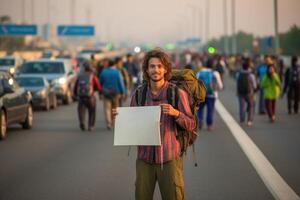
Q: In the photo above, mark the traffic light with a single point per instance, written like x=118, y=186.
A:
x=211, y=50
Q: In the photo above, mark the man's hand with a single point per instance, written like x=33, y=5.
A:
x=169, y=110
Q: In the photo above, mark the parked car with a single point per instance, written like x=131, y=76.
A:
x=10, y=64
x=43, y=95
x=59, y=73
x=15, y=104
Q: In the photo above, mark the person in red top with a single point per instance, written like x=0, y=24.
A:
x=85, y=86
x=162, y=164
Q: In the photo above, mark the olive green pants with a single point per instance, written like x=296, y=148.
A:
x=169, y=178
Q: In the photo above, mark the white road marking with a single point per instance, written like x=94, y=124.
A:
x=272, y=179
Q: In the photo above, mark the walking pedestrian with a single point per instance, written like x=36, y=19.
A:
x=261, y=71
x=120, y=66
x=133, y=71
x=292, y=86
x=113, y=90
x=213, y=83
x=271, y=89
x=86, y=83
x=246, y=86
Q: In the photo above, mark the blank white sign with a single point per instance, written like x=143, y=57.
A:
x=137, y=126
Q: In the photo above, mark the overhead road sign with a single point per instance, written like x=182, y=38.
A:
x=75, y=30
x=17, y=30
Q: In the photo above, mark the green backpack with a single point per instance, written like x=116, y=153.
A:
x=186, y=80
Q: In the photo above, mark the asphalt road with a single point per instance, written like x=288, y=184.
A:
x=55, y=160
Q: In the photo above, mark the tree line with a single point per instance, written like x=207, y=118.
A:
x=247, y=42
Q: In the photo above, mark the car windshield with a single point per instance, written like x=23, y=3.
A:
x=43, y=68
x=30, y=81
x=7, y=62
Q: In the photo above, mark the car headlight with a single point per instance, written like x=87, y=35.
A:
x=62, y=80
x=12, y=70
x=42, y=93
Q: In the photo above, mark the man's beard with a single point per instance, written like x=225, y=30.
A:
x=156, y=80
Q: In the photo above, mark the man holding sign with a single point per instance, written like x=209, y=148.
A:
x=161, y=163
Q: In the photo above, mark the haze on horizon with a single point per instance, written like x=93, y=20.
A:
x=156, y=21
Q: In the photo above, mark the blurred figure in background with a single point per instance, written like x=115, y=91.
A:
x=232, y=66
x=86, y=83
x=102, y=65
x=246, y=86
x=120, y=66
x=281, y=69
x=292, y=86
x=133, y=71
x=113, y=90
x=93, y=63
x=221, y=66
x=213, y=83
x=271, y=90
x=261, y=71
x=196, y=63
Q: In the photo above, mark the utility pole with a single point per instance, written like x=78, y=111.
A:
x=72, y=11
x=226, y=48
x=23, y=11
x=88, y=15
x=193, y=19
x=277, y=41
x=207, y=20
x=48, y=8
x=32, y=12
x=234, y=42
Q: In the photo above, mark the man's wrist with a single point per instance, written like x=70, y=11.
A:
x=177, y=114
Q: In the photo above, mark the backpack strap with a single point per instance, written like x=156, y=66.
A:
x=141, y=94
x=172, y=95
x=91, y=84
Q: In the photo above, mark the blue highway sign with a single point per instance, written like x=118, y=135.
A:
x=17, y=30
x=75, y=30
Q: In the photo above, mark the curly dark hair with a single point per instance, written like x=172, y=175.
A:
x=164, y=59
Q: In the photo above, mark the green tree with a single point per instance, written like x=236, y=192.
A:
x=5, y=19
x=290, y=41
x=9, y=43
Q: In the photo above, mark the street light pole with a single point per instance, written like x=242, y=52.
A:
x=226, y=49
x=32, y=12
x=193, y=20
x=88, y=15
x=23, y=11
x=48, y=8
x=186, y=25
x=72, y=11
x=234, y=43
x=277, y=42
x=207, y=21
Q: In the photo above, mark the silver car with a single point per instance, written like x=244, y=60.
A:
x=58, y=72
x=10, y=64
x=43, y=95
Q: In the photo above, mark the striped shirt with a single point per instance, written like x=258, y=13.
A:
x=170, y=147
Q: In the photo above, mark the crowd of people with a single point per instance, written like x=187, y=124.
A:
x=260, y=81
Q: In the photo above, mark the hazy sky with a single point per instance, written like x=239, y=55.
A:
x=157, y=20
